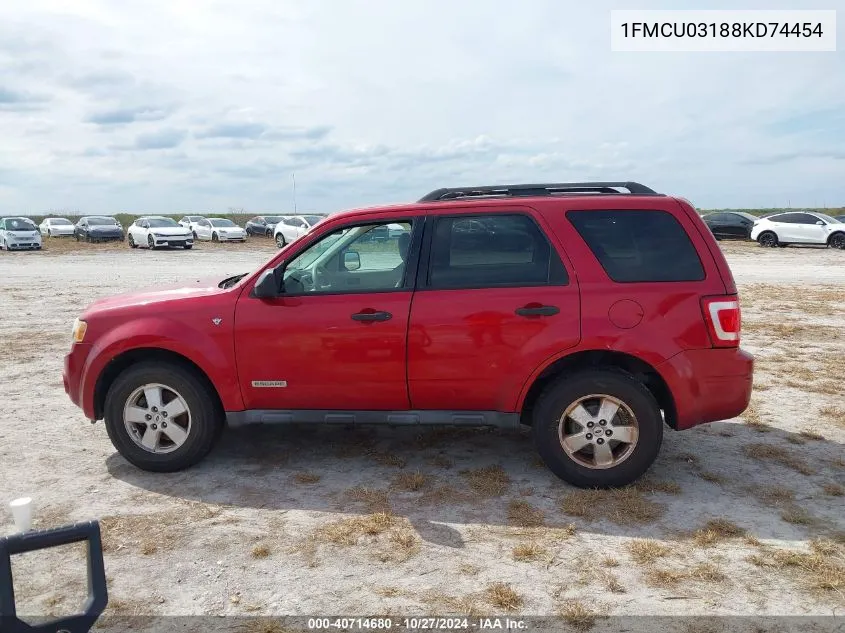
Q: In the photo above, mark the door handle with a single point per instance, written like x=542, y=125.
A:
x=537, y=311
x=372, y=316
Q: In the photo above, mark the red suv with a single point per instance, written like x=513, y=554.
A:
x=591, y=314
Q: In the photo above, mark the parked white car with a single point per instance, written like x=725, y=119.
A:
x=157, y=232
x=799, y=227
x=219, y=230
x=19, y=234
x=56, y=227
x=293, y=227
x=190, y=222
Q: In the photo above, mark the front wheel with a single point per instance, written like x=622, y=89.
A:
x=767, y=239
x=837, y=240
x=162, y=417
x=151, y=244
x=214, y=237
x=188, y=247
x=132, y=243
x=280, y=241
x=597, y=428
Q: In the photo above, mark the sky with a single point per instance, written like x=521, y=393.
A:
x=176, y=106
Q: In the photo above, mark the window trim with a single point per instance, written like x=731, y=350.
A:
x=704, y=272
x=411, y=264
x=424, y=270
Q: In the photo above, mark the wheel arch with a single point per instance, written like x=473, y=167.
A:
x=832, y=235
x=644, y=372
x=123, y=361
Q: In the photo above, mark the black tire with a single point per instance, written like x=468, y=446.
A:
x=50, y=233
x=206, y=416
x=837, y=240
x=194, y=234
x=769, y=239
x=76, y=236
x=151, y=243
x=268, y=233
x=188, y=247
x=214, y=237
x=563, y=392
x=280, y=241
x=132, y=243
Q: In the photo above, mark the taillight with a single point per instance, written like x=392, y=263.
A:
x=722, y=316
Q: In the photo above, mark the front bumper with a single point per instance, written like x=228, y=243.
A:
x=231, y=238
x=708, y=384
x=72, y=375
x=29, y=245
x=179, y=242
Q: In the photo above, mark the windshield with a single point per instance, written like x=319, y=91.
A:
x=60, y=222
x=221, y=223
x=312, y=219
x=828, y=219
x=195, y=218
x=102, y=222
x=19, y=224
x=158, y=223
x=273, y=219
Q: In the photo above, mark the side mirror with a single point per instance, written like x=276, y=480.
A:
x=351, y=260
x=267, y=287
x=819, y=223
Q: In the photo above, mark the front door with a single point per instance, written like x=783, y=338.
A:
x=335, y=339
x=494, y=303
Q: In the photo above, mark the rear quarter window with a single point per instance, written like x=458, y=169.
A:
x=639, y=245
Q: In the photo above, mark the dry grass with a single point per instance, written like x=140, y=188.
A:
x=490, y=481
x=410, y=482
x=797, y=515
x=263, y=625
x=774, y=494
x=609, y=562
x=663, y=578
x=348, y=531
x=650, y=486
x=754, y=419
x=577, y=615
x=375, y=500
x=523, y=514
x=623, y=506
x=716, y=530
x=834, y=414
x=387, y=592
x=820, y=570
x=610, y=582
x=528, y=552
x=811, y=435
x=833, y=489
x=441, y=461
x=502, y=596
x=389, y=459
x=707, y=572
x=152, y=532
x=778, y=454
x=706, y=475
x=262, y=550
x=306, y=478
x=442, y=495
x=646, y=552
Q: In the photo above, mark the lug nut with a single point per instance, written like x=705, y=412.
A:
x=164, y=414
x=590, y=424
x=602, y=422
x=608, y=432
x=164, y=425
x=148, y=417
x=154, y=427
x=155, y=409
x=589, y=436
x=600, y=441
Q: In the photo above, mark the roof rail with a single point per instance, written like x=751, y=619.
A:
x=536, y=190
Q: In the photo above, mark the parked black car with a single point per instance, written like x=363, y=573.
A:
x=730, y=224
x=262, y=225
x=98, y=228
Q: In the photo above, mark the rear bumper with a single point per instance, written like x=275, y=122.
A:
x=708, y=384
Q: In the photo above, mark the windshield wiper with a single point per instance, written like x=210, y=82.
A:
x=231, y=281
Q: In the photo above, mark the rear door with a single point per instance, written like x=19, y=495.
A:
x=493, y=302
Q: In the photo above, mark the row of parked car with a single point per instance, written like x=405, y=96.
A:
x=779, y=229
x=20, y=233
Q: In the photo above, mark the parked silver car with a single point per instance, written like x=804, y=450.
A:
x=17, y=234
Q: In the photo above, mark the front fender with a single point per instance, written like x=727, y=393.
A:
x=212, y=352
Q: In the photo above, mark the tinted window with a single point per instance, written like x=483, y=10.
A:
x=806, y=218
x=717, y=217
x=639, y=246
x=494, y=250
x=787, y=218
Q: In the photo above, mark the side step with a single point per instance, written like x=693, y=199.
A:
x=496, y=419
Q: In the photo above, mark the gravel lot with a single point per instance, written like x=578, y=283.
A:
x=738, y=517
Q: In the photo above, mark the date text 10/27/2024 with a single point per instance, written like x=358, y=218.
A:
x=416, y=624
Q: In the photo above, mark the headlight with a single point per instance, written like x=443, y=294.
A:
x=158, y=234
x=79, y=329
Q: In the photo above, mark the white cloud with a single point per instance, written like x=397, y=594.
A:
x=168, y=104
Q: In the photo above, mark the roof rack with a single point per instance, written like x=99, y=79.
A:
x=634, y=188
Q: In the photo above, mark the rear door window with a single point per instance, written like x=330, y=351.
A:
x=639, y=245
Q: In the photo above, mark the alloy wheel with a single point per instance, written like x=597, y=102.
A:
x=157, y=418
x=598, y=431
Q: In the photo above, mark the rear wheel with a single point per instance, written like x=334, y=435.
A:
x=268, y=233
x=162, y=417
x=837, y=240
x=767, y=239
x=132, y=243
x=194, y=234
x=597, y=428
x=280, y=240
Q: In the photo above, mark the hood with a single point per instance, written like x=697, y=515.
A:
x=23, y=233
x=104, y=229
x=155, y=296
x=228, y=229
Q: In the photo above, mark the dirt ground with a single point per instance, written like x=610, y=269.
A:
x=738, y=517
